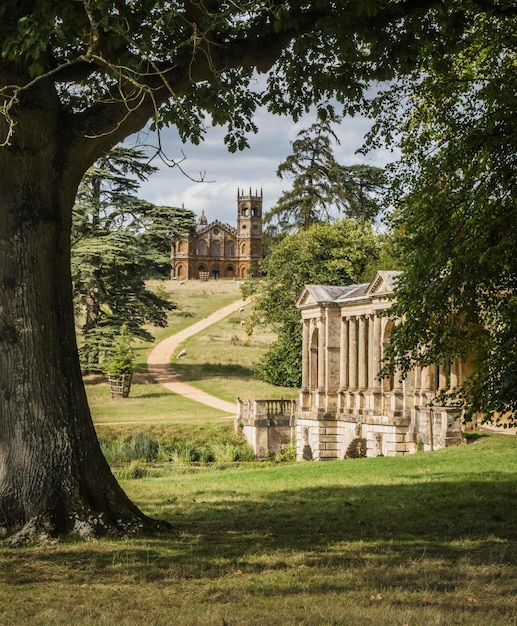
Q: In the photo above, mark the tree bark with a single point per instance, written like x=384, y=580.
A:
x=53, y=476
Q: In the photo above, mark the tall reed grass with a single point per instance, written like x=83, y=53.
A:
x=141, y=447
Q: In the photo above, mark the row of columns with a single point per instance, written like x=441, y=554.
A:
x=361, y=352
x=345, y=353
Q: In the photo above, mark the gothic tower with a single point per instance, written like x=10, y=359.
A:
x=249, y=232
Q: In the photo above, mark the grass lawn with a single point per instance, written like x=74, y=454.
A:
x=220, y=360
x=194, y=300
x=424, y=539
x=417, y=540
x=152, y=409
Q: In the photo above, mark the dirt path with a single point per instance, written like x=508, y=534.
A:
x=158, y=361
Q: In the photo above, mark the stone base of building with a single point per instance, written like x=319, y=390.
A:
x=270, y=425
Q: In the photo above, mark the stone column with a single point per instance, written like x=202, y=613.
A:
x=305, y=354
x=313, y=358
x=321, y=353
x=343, y=347
x=442, y=377
x=374, y=363
x=425, y=378
x=375, y=351
x=455, y=373
x=362, y=354
x=352, y=353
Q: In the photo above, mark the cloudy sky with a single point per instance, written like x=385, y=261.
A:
x=223, y=173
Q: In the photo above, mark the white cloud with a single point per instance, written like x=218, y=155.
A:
x=223, y=173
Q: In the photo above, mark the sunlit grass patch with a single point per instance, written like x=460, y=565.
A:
x=423, y=539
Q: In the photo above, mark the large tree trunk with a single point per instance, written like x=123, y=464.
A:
x=53, y=476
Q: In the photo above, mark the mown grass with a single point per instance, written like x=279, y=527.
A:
x=417, y=540
x=194, y=300
x=220, y=360
x=424, y=539
x=157, y=412
x=179, y=424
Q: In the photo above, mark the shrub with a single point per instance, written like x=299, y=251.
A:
x=246, y=454
x=225, y=452
x=134, y=470
x=165, y=451
x=286, y=455
x=206, y=455
x=139, y=447
x=183, y=454
x=145, y=447
x=121, y=361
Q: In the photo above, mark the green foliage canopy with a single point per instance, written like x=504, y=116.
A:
x=329, y=254
x=455, y=189
x=118, y=242
x=114, y=65
x=322, y=188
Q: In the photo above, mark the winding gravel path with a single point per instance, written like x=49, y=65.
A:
x=158, y=361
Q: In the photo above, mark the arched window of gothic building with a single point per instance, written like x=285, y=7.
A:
x=230, y=248
x=215, y=248
x=202, y=248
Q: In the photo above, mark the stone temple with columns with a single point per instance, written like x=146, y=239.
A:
x=344, y=409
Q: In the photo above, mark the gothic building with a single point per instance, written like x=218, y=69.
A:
x=344, y=409
x=218, y=250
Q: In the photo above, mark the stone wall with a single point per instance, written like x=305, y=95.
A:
x=268, y=425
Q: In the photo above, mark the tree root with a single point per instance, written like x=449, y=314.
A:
x=39, y=530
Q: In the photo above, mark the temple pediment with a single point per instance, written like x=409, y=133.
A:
x=320, y=294
x=315, y=295
x=384, y=282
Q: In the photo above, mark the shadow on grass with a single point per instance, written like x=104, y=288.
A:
x=321, y=517
x=421, y=527
x=445, y=551
x=472, y=437
x=192, y=371
x=155, y=394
